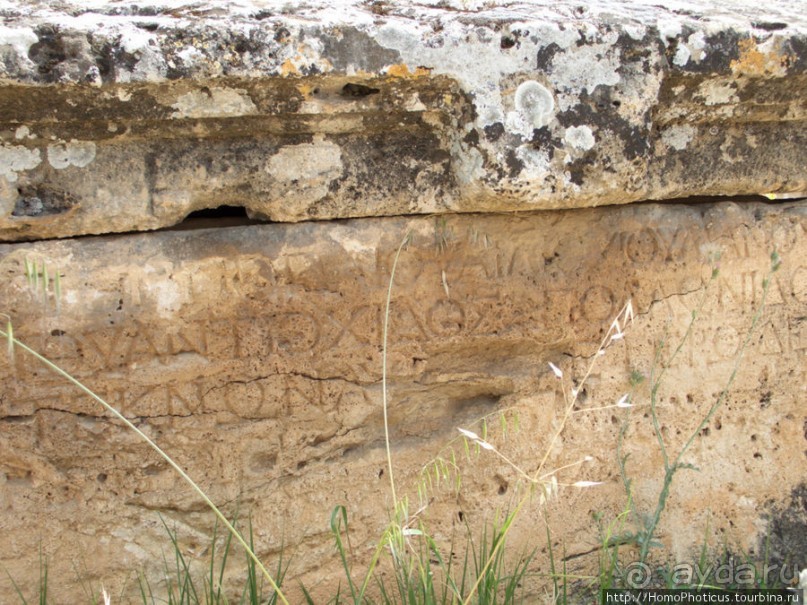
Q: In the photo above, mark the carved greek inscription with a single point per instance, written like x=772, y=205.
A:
x=642, y=246
x=737, y=289
x=742, y=289
x=272, y=325
x=647, y=245
x=125, y=344
x=773, y=337
x=599, y=304
x=405, y=323
x=357, y=324
x=798, y=283
x=446, y=318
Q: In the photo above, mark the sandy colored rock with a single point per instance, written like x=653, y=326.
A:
x=126, y=118
x=253, y=355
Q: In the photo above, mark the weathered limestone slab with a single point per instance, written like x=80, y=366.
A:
x=129, y=117
x=252, y=354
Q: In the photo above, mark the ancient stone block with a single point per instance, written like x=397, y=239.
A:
x=253, y=355
x=119, y=119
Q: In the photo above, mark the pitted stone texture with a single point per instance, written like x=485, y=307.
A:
x=403, y=107
x=253, y=356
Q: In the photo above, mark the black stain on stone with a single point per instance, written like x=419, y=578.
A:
x=472, y=138
x=514, y=165
x=109, y=58
x=349, y=45
x=542, y=138
x=720, y=49
x=639, y=55
x=599, y=110
x=61, y=54
x=48, y=52
x=493, y=132
x=632, y=50
x=36, y=202
x=785, y=541
x=507, y=43
x=545, y=56
x=796, y=50
x=592, y=109
x=241, y=44
x=577, y=169
x=386, y=165
x=636, y=142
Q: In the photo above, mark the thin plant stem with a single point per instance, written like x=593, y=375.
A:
x=53, y=367
x=384, y=368
x=671, y=469
x=627, y=315
x=614, y=331
x=657, y=380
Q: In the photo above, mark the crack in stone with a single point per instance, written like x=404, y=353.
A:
x=649, y=309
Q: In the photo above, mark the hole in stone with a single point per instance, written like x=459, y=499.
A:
x=358, y=90
x=770, y=26
x=219, y=212
x=503, y=485
x=153, y=469
x=222, y=216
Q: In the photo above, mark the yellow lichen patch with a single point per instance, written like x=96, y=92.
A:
x=306, y=89
x=757, y=61
x=288, y=68
x=399, y=70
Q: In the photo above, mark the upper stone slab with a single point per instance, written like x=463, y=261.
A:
x=119, y=117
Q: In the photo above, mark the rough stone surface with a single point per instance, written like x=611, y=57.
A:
x=252, y=354
x=119, y=117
